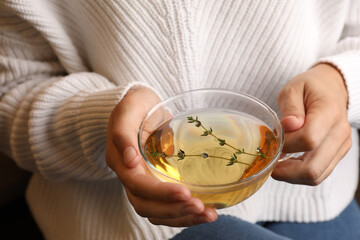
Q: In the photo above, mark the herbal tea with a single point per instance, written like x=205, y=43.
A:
x=213, y=148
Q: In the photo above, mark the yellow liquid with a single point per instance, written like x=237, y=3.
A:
x=238, y=130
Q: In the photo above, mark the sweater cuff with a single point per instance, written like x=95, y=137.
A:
x=348, y=63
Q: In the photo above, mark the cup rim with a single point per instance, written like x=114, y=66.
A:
x=218, y=90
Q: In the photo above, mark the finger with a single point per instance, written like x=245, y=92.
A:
x=139, y=183
x=114, y=161
x=319, y=121
x=209, y=215
x=292, y=123
x=313, y=167
x=149, y=187
x=162, y=210
x=339, y=155
x=291, y=104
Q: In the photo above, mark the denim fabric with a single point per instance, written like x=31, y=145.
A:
x=345, y=227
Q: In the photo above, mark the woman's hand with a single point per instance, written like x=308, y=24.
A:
x=314, y=115
x=162, y=203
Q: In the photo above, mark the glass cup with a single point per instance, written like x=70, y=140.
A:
x=190, y=103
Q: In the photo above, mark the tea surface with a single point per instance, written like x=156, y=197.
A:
x=238, y=129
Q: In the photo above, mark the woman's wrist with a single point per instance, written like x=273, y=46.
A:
x=330, y=72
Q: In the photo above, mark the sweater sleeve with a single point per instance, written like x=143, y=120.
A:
x=346, y=57
x=52, y=120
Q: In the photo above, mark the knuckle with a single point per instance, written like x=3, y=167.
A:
x=314, y=183
x=313, y=175
x=178, y=211
x=310, y=141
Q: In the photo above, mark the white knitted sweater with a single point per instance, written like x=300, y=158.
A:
x=65, y=64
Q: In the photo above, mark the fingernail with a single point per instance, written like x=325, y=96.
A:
x=178, y=197
x=191, y=209
x=293, y=117
x=129, y=155
x=292, y=123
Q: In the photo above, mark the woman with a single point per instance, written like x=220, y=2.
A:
x=79, y=76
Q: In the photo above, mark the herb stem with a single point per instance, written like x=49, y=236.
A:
x=236, y=149
x=208, y=156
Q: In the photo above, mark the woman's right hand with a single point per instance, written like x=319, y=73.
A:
x=162, y=203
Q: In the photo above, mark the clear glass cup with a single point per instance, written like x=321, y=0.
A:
x=217, y=100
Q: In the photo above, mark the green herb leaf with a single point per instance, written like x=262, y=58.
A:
x=221, y=142
x=205, y=133
x=181, y=154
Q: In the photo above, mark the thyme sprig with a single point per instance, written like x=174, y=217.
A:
x=182, y=155
x=223, y=142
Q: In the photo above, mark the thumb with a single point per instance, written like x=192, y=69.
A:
x=292, y=123
x=126, y=120
x=124, y=137
x=291, y=104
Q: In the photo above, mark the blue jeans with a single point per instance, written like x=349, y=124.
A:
x=345, y=226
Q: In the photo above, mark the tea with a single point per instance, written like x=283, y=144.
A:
x=213, y=148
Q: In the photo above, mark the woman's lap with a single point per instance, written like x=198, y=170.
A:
x=345, y=226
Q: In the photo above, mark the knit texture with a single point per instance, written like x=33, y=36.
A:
x=64, y=65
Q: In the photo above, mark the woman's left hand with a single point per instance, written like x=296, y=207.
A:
x=314, y=116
